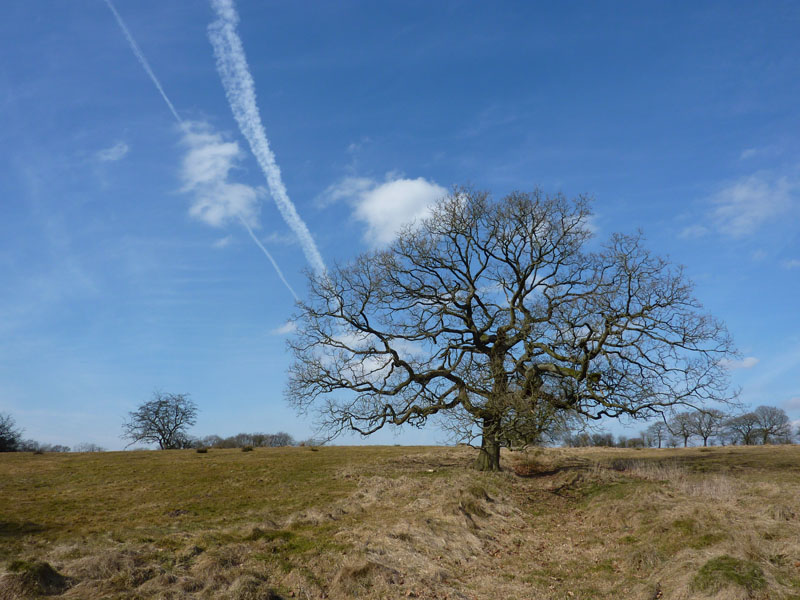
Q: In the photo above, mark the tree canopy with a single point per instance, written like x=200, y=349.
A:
x=10, y=436
x=506, y=314
x=163, y=420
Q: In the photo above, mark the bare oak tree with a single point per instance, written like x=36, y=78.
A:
x=497, y=311
x=163, y=421
x=773, y=424
x=657, y=433
x=681, y=426
x=743, y=428
x=707, y=423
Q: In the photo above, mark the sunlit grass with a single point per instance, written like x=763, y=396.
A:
x=381, y=522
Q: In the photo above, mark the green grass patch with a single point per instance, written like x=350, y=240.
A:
x=726, y=570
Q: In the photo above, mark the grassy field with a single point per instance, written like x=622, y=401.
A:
x=398, y=522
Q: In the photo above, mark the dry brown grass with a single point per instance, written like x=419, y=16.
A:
x=395, y=522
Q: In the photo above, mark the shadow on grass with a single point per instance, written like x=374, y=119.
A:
x=11, y=529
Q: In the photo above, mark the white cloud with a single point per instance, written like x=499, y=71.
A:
x=746, y=363
x=209, y=158
x=388, y=207
x=114, y=153
x=792, y=263
x=742, y=207
x=204, y=173
x=287, y=328
x=385, y=207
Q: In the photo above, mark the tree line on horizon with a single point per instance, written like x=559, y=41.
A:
x=763, y=425
x=173, y=431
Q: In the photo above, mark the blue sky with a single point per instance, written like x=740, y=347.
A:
x=125, y=260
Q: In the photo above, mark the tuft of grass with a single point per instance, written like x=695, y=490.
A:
x=726, y=570
x=36, y=577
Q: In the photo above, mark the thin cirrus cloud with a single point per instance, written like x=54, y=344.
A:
x=385, y=208
x=286, y=329
x=223, y=242
x=792, y=263
x=746, y=363
x=113, y=153
x=743, y=207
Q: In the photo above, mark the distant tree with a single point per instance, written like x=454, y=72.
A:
x=10, y=436
x=773, y=424
x=256, y=440
x=209, y=441
x=635, y=442
x=681, y=426
x=577, y=440
x=280, y=439
x=658, y=432
x=88, y=447
x=56, y=448
x=38, y=447
x=603, y=439
x=163, y=421
x=707, y=423
x=744, y=428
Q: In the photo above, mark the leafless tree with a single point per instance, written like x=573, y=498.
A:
x=773, y=424
x=10, y=436
x=88, y=447
x=707, y=423
x=163, y=421
x=681, y=426
x=744, y=428
x=497, y=310
x=658, y=432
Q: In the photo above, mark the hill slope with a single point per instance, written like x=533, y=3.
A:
x=394, y=522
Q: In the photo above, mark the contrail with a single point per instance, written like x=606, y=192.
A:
x=240, y=90
x=269, y=256
x=138, y=53
x=143, y=61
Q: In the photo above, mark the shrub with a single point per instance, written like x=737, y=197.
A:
x=247, y=448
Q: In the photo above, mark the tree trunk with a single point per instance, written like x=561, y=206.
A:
x=489, y=456
x=705, y=442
